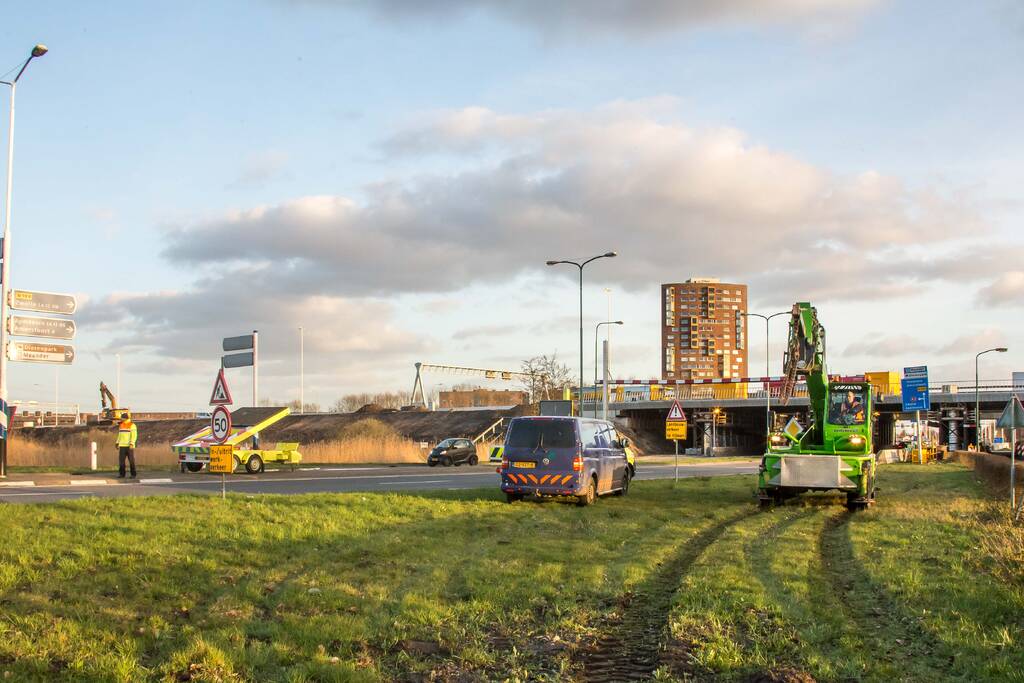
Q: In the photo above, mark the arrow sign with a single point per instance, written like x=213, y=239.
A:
x=42, y=302
x=221, y=395
x=51, y=328
x=675, y=413
x=30, y=352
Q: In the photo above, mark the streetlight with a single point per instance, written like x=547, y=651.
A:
x=767, y=370
x=5, y=251
x=302, y=370
x=977, y=399
x=714, y=429
x=597, y=329
x=581, y=266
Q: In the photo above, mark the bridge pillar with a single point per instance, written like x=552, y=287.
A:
x=952, y=431
x=886, y=430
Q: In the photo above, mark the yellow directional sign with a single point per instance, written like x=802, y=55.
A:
x=222, y=459
x=675, y=431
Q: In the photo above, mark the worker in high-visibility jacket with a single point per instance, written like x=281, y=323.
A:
x=127, y=435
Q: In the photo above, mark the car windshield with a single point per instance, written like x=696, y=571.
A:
x=447, y=443
x=846, y=407
x=542, y=433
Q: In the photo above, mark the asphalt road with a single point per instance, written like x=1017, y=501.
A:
x=326, y=480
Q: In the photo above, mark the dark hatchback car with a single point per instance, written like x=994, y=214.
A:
x=453, y=452
x=563, y=456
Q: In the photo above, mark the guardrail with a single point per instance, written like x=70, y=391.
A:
x=635, y=391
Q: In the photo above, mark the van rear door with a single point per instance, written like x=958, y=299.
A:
x=540, y=451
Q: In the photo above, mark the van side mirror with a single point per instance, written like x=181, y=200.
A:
x=624, y=442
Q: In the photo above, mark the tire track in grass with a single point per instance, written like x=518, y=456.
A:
x=897, y=645
x=630, y=649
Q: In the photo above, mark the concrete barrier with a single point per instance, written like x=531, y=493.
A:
x=994, y=470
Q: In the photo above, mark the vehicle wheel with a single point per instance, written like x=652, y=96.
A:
x=589, y=496
x=625, y=484
x=192, y=466
x=431, y=463
x=513, y=497
x=254, y=464
x=446, y=461
x=237, y=463
x=473, y=460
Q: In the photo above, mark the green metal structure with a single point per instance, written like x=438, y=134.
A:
x=834, y=451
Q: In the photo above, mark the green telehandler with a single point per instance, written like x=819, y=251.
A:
x=834, y=451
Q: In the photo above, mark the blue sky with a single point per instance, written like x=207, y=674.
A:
x=199, y=169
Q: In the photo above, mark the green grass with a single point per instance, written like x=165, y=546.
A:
x=387, y=586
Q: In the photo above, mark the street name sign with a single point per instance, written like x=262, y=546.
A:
x=242, y=343
x=221, y=460
x=51, y=328
x=237, y=360
x=31, y=352
x=42, y=302
x=221, y=395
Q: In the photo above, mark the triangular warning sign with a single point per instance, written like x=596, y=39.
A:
x=675, y=413
x=1013, y=415
x=221, y=395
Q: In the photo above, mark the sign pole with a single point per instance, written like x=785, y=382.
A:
x=676, y=441
x=223, y=486
x=255, y=370
x=920, y=448
x=1013, y=467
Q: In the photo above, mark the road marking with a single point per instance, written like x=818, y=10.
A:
x=87, y=482
x=16, y=484
x=417, y=481
x=43, y=493
x=165, y=480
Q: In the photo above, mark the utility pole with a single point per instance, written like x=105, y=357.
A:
x=302, y=398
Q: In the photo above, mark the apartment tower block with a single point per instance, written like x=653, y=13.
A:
x=703, y=329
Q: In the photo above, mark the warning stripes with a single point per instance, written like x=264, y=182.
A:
x=681, y=382
x=549, y=479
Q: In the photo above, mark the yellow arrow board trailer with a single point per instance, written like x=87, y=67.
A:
x=246, y=424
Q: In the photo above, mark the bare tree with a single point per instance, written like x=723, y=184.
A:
x=547, y=377
x=349, y=403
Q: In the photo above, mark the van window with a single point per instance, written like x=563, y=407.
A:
x=544, y=433
x=589, y=434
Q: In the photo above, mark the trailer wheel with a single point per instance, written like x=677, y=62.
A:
x=192, y=466
x=254, y=464
x=237, y=463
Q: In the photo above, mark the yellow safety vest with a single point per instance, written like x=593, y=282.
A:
x=126, y=435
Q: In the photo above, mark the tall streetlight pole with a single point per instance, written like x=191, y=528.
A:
x=597, y=362
x=302, y=369
x=767, y=369
x=977, y=395
x=581, y=266
x=5, y=249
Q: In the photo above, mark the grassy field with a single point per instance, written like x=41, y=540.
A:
x=684, y=583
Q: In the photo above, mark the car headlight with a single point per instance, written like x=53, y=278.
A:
x=856, y=440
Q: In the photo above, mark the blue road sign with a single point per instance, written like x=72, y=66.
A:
x=915, y=394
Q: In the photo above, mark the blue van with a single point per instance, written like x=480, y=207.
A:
x=563, y=456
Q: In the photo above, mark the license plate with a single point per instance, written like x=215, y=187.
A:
x=524, y=465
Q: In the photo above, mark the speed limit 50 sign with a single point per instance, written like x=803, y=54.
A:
x=220, y=423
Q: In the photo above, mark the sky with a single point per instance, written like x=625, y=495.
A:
x=392, y=175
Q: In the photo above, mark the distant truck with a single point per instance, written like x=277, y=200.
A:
x=246, y=424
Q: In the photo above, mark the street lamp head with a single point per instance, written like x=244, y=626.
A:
x=1002, y=349
x=39, y=50
x=552, y=263
x=610, y=254
x=618, y=322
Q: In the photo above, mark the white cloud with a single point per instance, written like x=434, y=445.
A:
x=1006, y=290
x=623, y=16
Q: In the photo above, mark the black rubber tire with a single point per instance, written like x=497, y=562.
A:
x=473, y=460
x=254, y=464
x=446, y=461
x=431, y=463
x=625, y=483
x=192, y=466
x=513, y=497
x=237, y=463
x=589, y=496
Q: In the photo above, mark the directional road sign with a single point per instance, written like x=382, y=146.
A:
x=220, y=424
x=51, y=328
x=914, y=388
x=42, y=302
x=31, y=352
x=221, y=395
